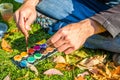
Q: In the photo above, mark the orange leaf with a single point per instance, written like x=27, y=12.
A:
x=5, y=46
x=116, y=71
x=79, y=78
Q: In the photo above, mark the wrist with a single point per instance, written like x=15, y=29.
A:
x=98, y=28
x=32, y=2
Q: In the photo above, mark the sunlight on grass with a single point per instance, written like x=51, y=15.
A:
x=17, y=42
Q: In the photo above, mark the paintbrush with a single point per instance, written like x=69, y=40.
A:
x=26, y=35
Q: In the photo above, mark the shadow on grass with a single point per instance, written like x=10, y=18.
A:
x=20, y=44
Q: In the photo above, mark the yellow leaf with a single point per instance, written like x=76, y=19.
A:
x=25, y=76
x=5, y=46
x=42, y=41
x=64, y=66
x=36, y=79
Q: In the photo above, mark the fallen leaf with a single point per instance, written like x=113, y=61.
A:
x=116, y=71
x=83, y=74
x=59, y=59
x=80, y=53
x=25, y=76
x=7, y=77
x=36, y=79
x=14, y=30
x=64, y=66
x=92, y=61
x=5, y=46
x=33, y=68
x=53, y=72
x=71, y=59
x=41, y=42
x=79, y=78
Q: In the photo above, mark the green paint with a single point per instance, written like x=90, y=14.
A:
x=31, y=59
x=37, y=55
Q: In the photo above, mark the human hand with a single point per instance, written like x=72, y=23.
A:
x=25, y=16
x=72, y=36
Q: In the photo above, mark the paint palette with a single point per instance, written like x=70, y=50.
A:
x=34, y=55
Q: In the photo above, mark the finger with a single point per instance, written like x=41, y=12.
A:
x=54, y=38
x=21, y=24
x=63, y=47
x=69, y=50
x=16, y=17
x=59, y=43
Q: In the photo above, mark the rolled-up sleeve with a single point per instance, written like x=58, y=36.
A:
x=110, y=19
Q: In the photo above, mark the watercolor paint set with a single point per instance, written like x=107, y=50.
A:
x=34, y=55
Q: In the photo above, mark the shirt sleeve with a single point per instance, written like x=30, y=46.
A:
x=110, y=20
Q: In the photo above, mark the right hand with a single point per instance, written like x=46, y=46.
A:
x=25, y=16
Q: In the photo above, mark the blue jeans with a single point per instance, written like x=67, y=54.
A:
x=71, y=11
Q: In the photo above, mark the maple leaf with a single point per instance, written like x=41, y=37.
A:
x=53, y=71
x=5, y=46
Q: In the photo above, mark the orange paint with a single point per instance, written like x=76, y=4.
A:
x=49, y=49
x=17, y=58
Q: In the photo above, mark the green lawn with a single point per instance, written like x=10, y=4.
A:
x=17, y=42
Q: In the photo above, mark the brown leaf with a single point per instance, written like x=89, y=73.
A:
x=53, y=72
x=5, y=46
x=92, y=61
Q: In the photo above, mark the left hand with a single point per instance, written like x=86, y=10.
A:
x=72, y=36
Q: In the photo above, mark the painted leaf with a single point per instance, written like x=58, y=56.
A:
x=59, y=59
x=53, y=72
x=33, y=68
x=7, y=77
x=5, y=46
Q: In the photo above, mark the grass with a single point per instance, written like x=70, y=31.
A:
x=17, y=42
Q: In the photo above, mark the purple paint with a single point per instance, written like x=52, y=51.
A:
x=37, y=47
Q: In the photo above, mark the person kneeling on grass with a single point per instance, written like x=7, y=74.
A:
x=89, y=23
